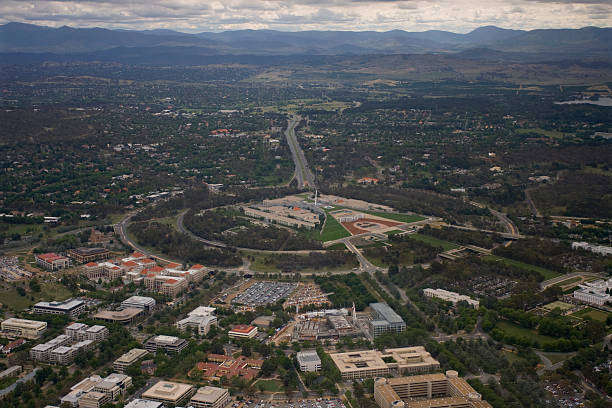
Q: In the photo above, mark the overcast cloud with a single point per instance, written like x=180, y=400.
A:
x=296, y=15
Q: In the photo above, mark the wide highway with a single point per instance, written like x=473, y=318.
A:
x=303, y=175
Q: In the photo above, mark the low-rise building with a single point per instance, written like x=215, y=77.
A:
x=52, y=261
x=210, y=397
x=449, y=296
x=129, y=358
x=62, y=355
x=78, y=390
x=42, y=352
x=142, y=403
x=96, y=333
x=597, y=293
x=125, y=316
x=385, y=320
x=93, y=399
x=114, y=385
x=170, y=393
x=427, y=391
x=29, y=329
x=84, y=255
x=170, y=344
x=139, y=302
x=309, y=361
x=243, y=331
x=219, y=365
x=70, y=307
x=375, y=363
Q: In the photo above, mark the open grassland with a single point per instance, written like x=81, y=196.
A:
x=594, y=314
x=332, y=230
x=48, y=291
x=517, y=331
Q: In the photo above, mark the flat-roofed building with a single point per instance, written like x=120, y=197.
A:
x=76, y=331
x=210, y=397
x=85, y=255
x=309, y=361
x=385, y=320
x=129, y=358
x=52, y=261
x=42, y=352
x=142, y=403
x=93, y=399
x=427, y=391
x=139, y=302
x=374, y=363
x=449, y=296
x=170, y=344
x=62, y=355
x=83, y=345
x=243, y=331
x=69, y=307
x=201, y=323
x=96, y=333
x=79, y=389
x=170, y=393
x=114, y=385
x=125, y=316
x=29, y=329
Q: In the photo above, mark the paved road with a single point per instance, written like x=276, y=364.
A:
x=550, y=282
x=304, y=176
x=28, y=377
x=510, y=226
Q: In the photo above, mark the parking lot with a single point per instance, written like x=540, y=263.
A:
x=263, y=293
x=314, y=403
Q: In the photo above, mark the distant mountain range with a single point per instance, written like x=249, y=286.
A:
x=29, y=43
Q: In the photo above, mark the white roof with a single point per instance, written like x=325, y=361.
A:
x=202, y=311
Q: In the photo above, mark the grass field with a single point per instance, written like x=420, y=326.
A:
x=395, y=217
x=393, y=232
x=518, y=331
x=558, y=304
x=433, y=241
x=48, y=291
x=558, y=357
x=333, y=230
x=546, y=273
x=268, y=385
x=593, y=314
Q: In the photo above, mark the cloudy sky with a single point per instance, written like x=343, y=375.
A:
x=294, y=15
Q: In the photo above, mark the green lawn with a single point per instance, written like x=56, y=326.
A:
x=433, y=241
x=393, y=232
x=557, y=357
x=268, y=385
x=594, y=314
x=337, y=247
x=48, y=291
x=519, y=331
x=333, y=230
x=546, y=273
x=395, y=216
x=557, y=304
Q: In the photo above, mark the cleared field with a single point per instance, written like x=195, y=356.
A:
x=48, y=291
x=517, y=331
x=268, y=385
x=332, y=230
x=594, y=314
x=546, y=273
x=558, y=304
x=433, y=241
x=406, y=218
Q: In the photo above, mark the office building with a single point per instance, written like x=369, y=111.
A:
x=169, y=344
x=70, y=307
x=52, y=261
x=86, y=255
x=384, y=320
x=96, y=333
x=309, y=360
x=129, y=358
x=114, y=385
x=76, y=331
x=142, y=403
x=596, y=293
x=125, y=316
x=78, y=390
x=170, y=393
x=62, y=355
x=29, y=329
x=427, y=391
x=374, y=363
x=243, y=331
x=93, y=399
x=200, y=318
x=42, y=352
x=139, y=302
x=449, y=296
x=210, y=397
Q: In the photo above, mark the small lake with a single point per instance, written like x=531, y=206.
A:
x=599, y=102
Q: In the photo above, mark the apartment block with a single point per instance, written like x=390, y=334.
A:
x=129, y=358
x=170, y=344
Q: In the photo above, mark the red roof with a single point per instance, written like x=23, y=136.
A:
x=197, y=266
x=171, y=281
x=130, y=264
x=146, y=261
x=173, y=265
x=90, y=264
x=156, y=269
x=138, y=255
x=50, y=257
x=243, y=328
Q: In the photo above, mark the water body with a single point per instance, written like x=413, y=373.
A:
x=599, y=102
